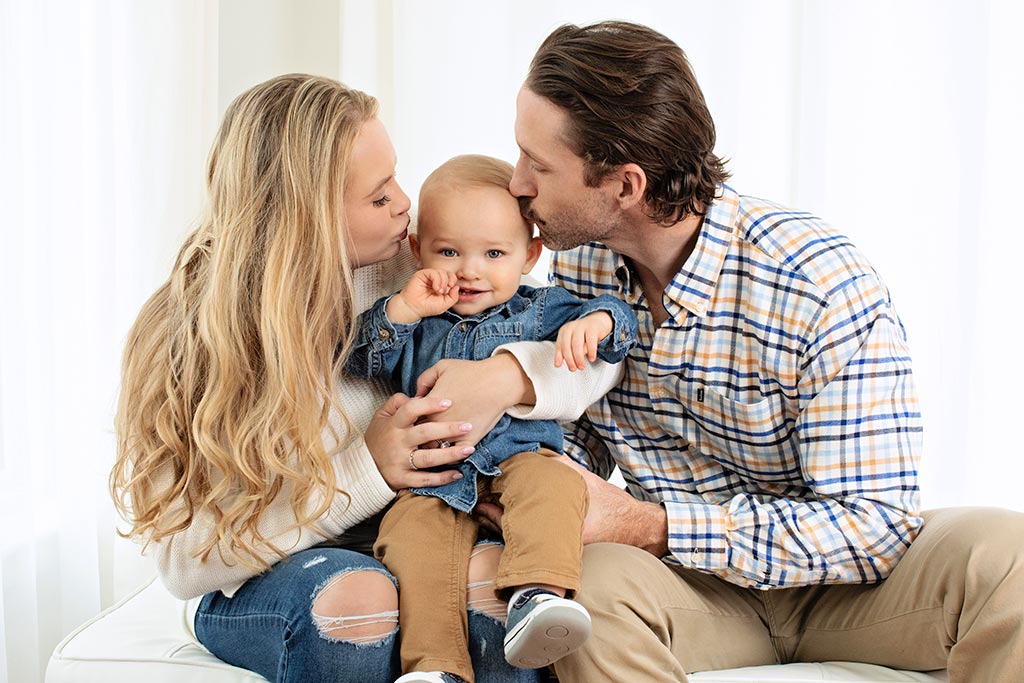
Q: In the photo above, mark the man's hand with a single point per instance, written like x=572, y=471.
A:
x=577, y=340
x=614, y=516
x=429, y=292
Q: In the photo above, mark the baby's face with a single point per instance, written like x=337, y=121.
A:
x=479, y=235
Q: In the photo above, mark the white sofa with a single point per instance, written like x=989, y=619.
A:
x=144, y=638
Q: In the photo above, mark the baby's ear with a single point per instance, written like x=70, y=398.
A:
x=533, y=250
x=414, y=245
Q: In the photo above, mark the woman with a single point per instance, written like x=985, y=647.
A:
x=255, y=468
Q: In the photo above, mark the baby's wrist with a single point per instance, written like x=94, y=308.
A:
x=398, y=310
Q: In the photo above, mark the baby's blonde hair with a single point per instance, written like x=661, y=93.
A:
x=228, y=377
x=463, y=172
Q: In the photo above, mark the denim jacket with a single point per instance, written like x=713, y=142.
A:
x=401, y=352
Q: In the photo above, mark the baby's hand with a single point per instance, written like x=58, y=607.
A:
x=429, y=291
x=577, y=340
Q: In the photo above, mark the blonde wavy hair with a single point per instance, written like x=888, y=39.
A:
x=229, y=372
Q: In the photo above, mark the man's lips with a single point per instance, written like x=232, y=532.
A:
x=527, y=211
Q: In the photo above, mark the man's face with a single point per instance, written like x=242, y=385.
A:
x=548, y=179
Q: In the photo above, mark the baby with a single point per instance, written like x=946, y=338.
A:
x=473, y=246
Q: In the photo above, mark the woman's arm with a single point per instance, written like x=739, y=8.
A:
x=369, y=470
x=189, y=576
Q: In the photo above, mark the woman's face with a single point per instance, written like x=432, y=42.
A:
x=376, y=208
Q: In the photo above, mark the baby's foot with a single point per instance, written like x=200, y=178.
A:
x=542, y=628
x=430, y=677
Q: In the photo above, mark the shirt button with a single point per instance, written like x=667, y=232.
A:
x=383, y=333
x=463, y=327
x=696, y=557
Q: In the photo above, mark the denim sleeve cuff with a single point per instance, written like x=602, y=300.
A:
x=698, y=536
x=380, y=333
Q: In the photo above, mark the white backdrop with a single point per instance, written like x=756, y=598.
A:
x=899, y=122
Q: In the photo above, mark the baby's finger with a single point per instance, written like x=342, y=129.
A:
x=592, y=341
x=580, y=350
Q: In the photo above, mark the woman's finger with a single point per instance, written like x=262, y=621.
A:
x=392, y=405
x=415, y=408
x=429, y=432
x=422, y=479
x=425, y=458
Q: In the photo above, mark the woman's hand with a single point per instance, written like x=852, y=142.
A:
x=480, y=391
x=393, y=438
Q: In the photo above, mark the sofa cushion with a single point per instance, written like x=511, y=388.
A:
x=145, y=638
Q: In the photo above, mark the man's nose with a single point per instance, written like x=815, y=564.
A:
x=520, y=185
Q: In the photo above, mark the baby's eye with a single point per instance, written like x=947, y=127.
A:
x=495, y=253
x=450, y=253
x=383, y=201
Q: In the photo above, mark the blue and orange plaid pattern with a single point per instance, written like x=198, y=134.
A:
x=773, y=413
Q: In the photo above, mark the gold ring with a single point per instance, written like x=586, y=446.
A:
x=412, y=463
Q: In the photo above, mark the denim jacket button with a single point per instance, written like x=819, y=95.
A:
x=463, y=327
x=383, y=333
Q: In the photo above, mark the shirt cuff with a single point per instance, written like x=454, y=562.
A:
x=698, y=536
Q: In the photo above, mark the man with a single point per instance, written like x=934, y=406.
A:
x=766, y=426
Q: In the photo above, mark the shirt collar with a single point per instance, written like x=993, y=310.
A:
x=694, y=285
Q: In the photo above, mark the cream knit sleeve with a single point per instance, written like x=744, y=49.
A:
x=561, y=395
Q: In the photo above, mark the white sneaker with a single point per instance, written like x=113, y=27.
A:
x=430, y=677
x=542, y=628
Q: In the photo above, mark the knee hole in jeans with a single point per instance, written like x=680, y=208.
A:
x=480, y=595
x=356, y=606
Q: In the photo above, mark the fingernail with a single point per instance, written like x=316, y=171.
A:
x=465, y=426
x=445, y=402
x=468, y=450
x=456, y=476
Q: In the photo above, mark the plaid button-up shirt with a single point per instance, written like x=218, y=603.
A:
x=773, y=413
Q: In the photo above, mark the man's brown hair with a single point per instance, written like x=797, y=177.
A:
x=632, y=97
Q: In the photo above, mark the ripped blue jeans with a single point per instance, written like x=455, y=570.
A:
x=269, y=627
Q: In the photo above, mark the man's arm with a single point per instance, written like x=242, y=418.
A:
x=859, y=437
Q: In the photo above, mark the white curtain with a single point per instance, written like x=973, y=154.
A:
x=899, y=122
x=105, y=109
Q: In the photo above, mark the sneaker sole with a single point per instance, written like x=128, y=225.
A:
x=550, y=632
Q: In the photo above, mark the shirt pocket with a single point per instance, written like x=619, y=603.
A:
x=492, y=335
x=751, y=438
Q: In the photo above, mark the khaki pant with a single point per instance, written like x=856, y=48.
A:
x=956, y=601
x=426, y=545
